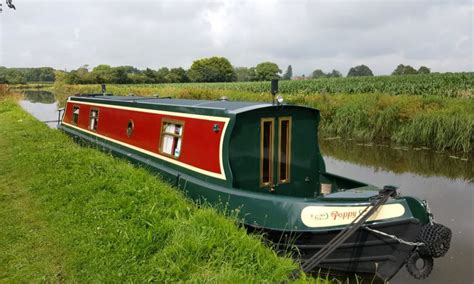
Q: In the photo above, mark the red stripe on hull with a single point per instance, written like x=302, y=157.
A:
x=200, y=144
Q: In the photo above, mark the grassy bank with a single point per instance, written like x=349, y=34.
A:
x=436, y=122
x=74, y=214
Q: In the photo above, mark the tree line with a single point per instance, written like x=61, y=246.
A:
x=212, y=69
x=25, y=75
x=364, y=70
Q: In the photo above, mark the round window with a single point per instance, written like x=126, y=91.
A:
x=130, y=128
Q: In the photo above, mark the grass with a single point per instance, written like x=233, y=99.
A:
x=74, y=214
x=441, y=123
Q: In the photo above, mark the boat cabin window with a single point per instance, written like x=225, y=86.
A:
x=266, y=152
x=284, y=153
x=75, y=115
x=130, y=126
x=93, y=119
x=171, y=137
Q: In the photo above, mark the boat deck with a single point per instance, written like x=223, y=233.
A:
x=222, y=105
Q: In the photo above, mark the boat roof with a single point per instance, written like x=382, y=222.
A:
x=218, y=105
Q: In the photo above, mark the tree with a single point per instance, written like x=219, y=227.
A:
x=253, y=74
x=25, y=75
x=120, y=75
x=129, y=69
x=80, y=76
x=244, y=74
x=137, y=78
x=71, y=77
x=161, y=75
x=398, y=70
x=46, y=74
x=14, y=76
x=404, y=70
x=318, y=73
x=408, y=70
x=267, y=71
x=288, y=74
x=3, y=71
x=213, y=69
x=59, y=77
x=360, y=70
x=334, y=74
x=42, y=74
x=150, y=75
x=177, y=75
x=103, y=73
x=424, y=70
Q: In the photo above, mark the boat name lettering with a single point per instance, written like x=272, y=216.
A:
x=344, y=214
x=317, y=216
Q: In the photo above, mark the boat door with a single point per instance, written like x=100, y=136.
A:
x=275, y=152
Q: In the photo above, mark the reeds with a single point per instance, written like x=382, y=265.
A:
x=442, y=123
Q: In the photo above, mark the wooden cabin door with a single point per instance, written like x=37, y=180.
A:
x=275, y=151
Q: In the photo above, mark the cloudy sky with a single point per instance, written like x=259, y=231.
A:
x=306, y=34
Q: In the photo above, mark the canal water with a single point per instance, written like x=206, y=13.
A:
x=42, y=105
x=445, y=180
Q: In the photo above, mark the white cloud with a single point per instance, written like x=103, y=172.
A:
x=306, y=34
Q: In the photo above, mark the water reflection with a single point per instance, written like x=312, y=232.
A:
x=424, y=175
x=399, y=160
x=43, y=97
x=42, y=105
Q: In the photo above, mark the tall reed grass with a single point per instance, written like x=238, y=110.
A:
x=437, y=122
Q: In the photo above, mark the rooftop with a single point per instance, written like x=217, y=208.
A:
x=224, y=105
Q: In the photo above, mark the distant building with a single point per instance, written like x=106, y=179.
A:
x=297, y=78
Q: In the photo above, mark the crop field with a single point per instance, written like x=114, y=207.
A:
x=445, y=85
x=434, y=111
x=453, y=85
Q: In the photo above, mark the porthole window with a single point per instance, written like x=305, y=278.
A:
x=130, y=127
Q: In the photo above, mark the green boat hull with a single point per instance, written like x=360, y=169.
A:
x=276, y=212
x=270, y=184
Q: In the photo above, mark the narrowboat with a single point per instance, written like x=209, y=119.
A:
x=262, y=160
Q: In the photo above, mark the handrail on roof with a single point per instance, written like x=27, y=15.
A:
x=153, y=97
x=93, y=94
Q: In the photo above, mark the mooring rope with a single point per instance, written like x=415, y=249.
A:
x=402, y=241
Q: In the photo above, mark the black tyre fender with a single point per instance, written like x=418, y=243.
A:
x=419, y=272
x=437, y=239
